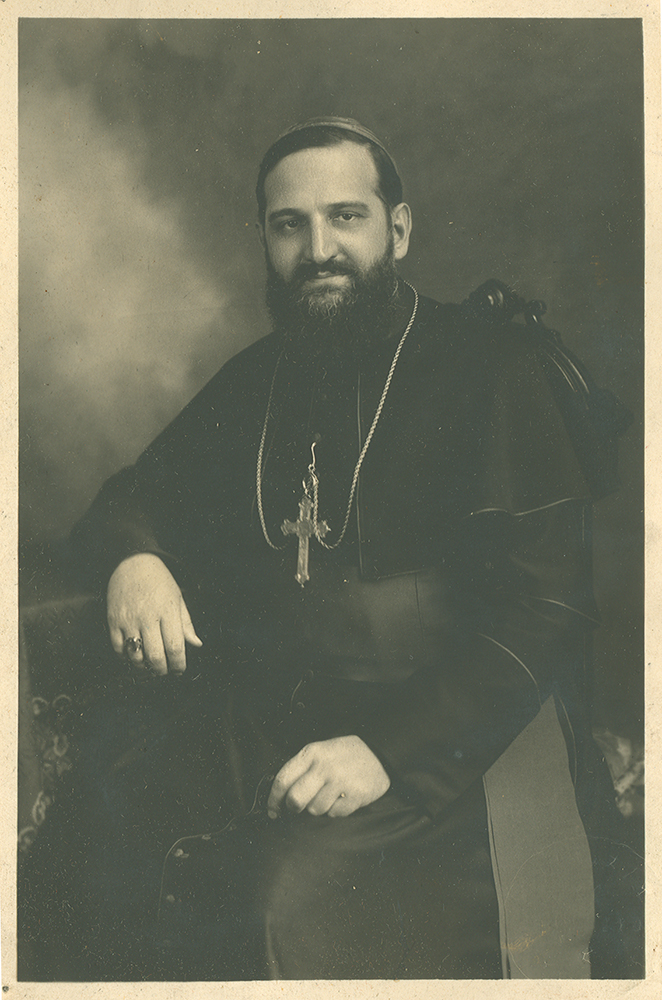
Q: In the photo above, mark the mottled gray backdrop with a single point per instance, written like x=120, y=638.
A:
x=521, y=147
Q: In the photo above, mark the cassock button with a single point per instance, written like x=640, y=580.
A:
x=170, y=899
x=300, y=705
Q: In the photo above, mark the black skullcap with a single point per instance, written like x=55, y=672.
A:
x=348, y=124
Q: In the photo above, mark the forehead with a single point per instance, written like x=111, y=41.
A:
x=322, y=175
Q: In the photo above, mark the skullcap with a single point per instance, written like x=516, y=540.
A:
x=348, y=124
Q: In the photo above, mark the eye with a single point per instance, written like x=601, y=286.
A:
x=285, y=226
x=347, y=216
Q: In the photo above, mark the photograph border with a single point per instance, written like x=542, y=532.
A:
x=10, y=12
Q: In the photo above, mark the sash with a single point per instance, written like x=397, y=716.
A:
x=540, y=856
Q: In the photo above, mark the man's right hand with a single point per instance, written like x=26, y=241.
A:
x=144, y=601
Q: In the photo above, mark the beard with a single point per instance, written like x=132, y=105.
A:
x=348, y=320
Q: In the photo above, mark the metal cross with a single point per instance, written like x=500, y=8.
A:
x=304, y=527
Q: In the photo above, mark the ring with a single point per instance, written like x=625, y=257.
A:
x=133, y=645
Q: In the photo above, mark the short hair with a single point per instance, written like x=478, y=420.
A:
x=331, y=132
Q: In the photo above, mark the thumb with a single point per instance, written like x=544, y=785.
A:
x=187, y=625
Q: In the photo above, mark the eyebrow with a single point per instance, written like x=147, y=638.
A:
x=334, y=207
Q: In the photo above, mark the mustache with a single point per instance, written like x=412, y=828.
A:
x=305, y=271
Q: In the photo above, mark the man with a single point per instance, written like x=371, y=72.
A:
x=371, y=532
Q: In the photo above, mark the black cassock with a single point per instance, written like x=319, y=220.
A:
x=450, y=630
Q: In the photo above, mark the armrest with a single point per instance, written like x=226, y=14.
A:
x=64, y=650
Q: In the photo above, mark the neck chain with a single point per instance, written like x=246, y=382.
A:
x=308, y=525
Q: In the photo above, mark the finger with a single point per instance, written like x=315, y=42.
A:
x=320, y=804
x=153, y=649
x=187, y=625
x=344, y=805
x=288, y=774
x=303, y=791
x=117, y=639
x=134, y=656
x=133, y=651
x=173, y=643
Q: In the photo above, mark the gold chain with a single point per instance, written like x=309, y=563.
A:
x=313, y=478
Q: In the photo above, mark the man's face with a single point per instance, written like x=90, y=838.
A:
x=326, y=229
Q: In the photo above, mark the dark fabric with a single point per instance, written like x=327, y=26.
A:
x=361, y=898
x=156, y=768
x=474, y=488
x=470, y=441
x=472, y=423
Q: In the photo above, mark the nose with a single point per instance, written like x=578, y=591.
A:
x=322, y=243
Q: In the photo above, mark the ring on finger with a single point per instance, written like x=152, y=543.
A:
x=134, y=644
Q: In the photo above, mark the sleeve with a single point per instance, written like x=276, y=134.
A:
x=171, y=502
x=522, y=614
x=123, y=520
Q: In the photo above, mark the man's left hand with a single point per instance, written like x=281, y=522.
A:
x=333, y=777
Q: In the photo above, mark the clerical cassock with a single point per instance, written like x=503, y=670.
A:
x=393, y=544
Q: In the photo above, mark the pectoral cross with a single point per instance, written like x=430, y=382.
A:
x=303, y=528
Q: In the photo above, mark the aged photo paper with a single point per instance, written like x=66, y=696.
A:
x=145, y=237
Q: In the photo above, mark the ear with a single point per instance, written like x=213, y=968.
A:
x=401, y=221
x=260, y=233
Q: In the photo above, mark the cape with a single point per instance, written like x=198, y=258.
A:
x=482, y=415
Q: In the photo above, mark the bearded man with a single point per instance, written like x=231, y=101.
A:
x=371, y=531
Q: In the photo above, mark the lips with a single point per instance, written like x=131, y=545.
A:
x=330, y=269
x=325, y=276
